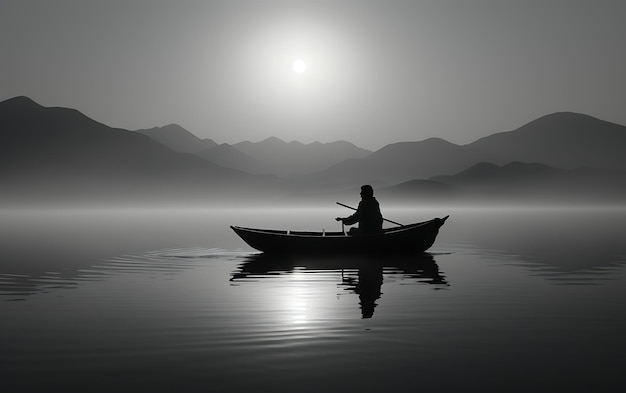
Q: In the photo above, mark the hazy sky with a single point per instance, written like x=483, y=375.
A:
x=377, y=72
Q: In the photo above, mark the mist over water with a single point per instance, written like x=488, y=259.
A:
x=125, y=299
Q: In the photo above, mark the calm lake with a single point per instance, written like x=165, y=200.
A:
x=121, y=300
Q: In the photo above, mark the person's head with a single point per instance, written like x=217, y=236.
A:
x=367, y=191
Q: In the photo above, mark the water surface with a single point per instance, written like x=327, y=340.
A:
x=506, y=300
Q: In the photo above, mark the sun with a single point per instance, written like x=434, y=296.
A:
x=299, y=66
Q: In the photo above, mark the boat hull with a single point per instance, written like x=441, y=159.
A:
x=417, y=237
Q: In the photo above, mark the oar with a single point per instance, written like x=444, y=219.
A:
x=350, y=207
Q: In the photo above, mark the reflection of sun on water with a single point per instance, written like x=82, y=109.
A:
x=296, y=303
x=300, y=300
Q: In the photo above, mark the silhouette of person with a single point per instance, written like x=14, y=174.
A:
x=367, y=214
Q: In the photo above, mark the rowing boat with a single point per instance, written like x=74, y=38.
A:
x=417, y=237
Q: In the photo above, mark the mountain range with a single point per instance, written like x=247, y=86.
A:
x=48, y=153
x=563, y=140
x=269, y=156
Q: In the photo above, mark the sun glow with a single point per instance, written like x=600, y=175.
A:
x=299, y=75
x=299, y=66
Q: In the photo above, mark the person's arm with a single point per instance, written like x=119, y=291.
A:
x=353, y=219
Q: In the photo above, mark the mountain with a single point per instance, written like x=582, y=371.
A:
x=405, y=161
x=563, y=140
x=48, y=153
x=294, y=158
x=178, y=139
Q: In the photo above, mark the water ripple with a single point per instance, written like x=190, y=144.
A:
x=168, y=261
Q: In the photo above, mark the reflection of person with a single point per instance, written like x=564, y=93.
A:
x=367, y=214
x=369, y=288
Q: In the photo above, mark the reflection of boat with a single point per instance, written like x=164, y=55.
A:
x=360, y=274
x=406, y=238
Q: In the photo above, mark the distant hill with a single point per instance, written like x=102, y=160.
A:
x=421, y=191
x=518, y=181
x=563, y=140
x=178, y=139
x=295, y=158
x=405, y=161
x=52, y=153
x=227, y=156
x=488, y=174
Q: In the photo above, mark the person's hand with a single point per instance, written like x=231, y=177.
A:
x=338, y=219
